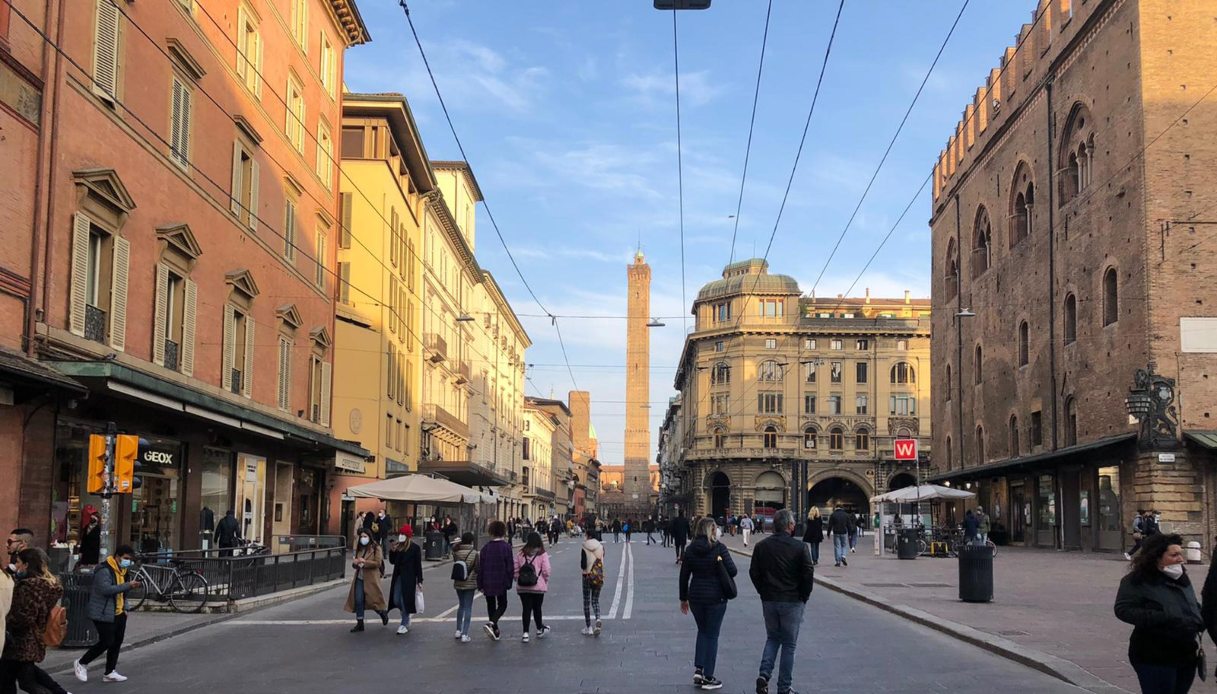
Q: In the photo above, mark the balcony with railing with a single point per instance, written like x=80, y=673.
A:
x=434, y=414
x=236, y=382
x=95, y=323
x=437, y=346
x=463, y=372
x=171, y=355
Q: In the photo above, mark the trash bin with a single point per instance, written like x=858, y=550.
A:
x=1192, y=552
x=976, y=573
x=76, y=590
x=433, y=546
x=906, y=543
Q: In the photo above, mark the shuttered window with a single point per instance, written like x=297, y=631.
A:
x=294, y=126
x=105, y=50
x=325, y=155
x=394, y=308
x=189, y=316
x=393, y=236
x=285, y=373
x=249, y=51
x=320, y=258
x=118, y=293
x=179, y=123
x=328, y=66
x=246, y=177
x=289, y=230
x=247, y=375
x=237, y=358
x=300, y=23
x=344, y=278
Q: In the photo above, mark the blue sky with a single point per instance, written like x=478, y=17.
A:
x=567, y=114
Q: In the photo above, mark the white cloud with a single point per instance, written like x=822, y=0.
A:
x=659, y=88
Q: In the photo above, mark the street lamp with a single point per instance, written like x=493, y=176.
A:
x=655, y=323
x=683, y=5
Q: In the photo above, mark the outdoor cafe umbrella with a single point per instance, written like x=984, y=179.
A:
x=418, y=489
x=924, y=492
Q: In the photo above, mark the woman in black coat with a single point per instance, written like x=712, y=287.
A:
x=407, y=560
x=814, y=534
x=701, y=591
x=1156, y=597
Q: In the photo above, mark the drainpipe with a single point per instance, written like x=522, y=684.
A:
x=1051, y=262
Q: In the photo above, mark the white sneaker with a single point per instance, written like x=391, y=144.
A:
x=403, y=630
x=114, y=677
x=587, y=631
x=458, y=634
x=525, y=638
x=82, y=671
x=542, y=632
x=465, y=639
x=1127, y=557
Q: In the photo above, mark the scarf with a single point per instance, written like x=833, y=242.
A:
x=120, y=577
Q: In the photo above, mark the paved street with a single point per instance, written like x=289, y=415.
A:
x=647, y=645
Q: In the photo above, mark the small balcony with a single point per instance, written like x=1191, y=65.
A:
x=434, y=414
x=463, y=373
x=171, y=355
x=437, y=346
x=95, y=323
x=236, y=382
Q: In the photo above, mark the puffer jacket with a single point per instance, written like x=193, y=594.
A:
x=106, y=588
x=469, y=555
x=1165, y=618
x=699, y=580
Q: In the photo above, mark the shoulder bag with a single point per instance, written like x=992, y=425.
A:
x=724, y=578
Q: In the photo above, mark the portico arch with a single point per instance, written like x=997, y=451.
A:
x=718, y=487
x=839, y=487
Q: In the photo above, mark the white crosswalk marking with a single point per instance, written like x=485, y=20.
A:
x=620, y=586
x=629, y=596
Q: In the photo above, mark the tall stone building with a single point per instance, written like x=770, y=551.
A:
x=1069, y=216
x=638, y=387
x=790, y=401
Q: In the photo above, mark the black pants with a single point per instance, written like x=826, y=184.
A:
x=28, y=676
x=532, y=606
x=649, y=540
x=109, y=641
x=680, y=547
x=496, y=605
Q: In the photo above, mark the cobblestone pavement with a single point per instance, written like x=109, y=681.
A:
x=647, y=645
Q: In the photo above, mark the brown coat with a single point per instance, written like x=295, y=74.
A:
x=373, y=596
x=33, y=599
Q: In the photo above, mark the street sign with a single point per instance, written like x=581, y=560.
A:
x=906, y=449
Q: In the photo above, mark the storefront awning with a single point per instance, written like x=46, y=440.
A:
x=29, y=376
x=464, y=472
x=1029, y=463
x=1206, y=439
x=119, y=380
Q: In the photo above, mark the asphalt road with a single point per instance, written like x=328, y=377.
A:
x=304, y=647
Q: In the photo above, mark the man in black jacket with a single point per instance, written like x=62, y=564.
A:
x=680, y=534
x=838, y=525
x=782, y=573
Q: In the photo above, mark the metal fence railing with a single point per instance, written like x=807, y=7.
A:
x=245, y=576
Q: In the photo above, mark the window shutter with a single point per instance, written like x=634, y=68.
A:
x=80, y=274
x=285, y=376
x=189, y=316
x=258, y=64
x=345, y=235
x=326, y=378
x=187, y=95
x=289, y=230
x=247, y=372
x=118, y=294
x=234, y=199
x=161, y=306
x=105, y=50
x=229, y=350
x=253, y=194
x=179, y=123
x=392, y=375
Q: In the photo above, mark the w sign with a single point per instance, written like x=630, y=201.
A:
x=906, y=449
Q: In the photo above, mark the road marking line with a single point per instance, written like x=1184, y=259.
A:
x=620, y=584
x=629, y=595
x=457, y=606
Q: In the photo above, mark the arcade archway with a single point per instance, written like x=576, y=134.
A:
x=720, y=494
x=900, y=481
x=770, y=491
x=838, y=491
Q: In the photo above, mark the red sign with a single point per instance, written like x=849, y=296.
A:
x=906, y=449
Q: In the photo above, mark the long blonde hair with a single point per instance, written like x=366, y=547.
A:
x=814, y=513
x=707, y=528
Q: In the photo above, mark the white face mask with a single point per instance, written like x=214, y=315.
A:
x=401, y=538
x=364, y=540
x=1173, y=570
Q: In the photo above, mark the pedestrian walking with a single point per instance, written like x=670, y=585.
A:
x=982, y=525
x=648, y=526
x=228, y=530
x=532, y=581
x=494, y=576
x=665, y=527
x=814, y=534
x=702, y=592
x=464, y=581
x=971, y=526
x=1157, y=598
x=860, y=519
x=1137, y=532
x=555, y=530
x=680, y=534
x=365, y=592
x=838, y=525
x=90, y=541
x=616, y=528
x=852, y=530
x=107, y=609
x=35, y=593
x=591, y=563
x=407, y=560
x=783, y=574
x=746, y=526
x=627, y=528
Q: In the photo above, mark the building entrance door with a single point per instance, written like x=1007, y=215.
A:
x=251, y=496
x=1071, y=521
x=1020, y=512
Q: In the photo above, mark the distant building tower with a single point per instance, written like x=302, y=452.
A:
x=638, y=388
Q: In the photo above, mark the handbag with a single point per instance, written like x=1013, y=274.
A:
x=1200, y=666
x=419, y=603
x=725, y=580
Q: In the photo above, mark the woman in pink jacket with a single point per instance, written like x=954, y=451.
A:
x=532, y=580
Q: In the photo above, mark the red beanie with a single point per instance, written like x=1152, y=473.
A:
x=407, y=530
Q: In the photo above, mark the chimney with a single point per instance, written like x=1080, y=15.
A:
x=868, y=295
x=906, y=296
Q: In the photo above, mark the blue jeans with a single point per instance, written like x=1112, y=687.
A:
x=464, y=610
x=815, y=551
x=782, y=621
x=399, y=595
x=1164, y=679
x=840, y=544
x=709, y=618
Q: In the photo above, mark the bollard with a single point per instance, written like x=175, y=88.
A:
x=1192, y=552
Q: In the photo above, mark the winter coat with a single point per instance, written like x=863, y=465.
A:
x=6, y=601
x=33, y=599
x=106, y=588
x=90, y=546
x=970, y=526
x=227, y=531
x=592, y=550
x=1165, y=619
x=496, y=568
x=469, y=555
x=680, y=529
x=815, y=530
x=408, y=572
x=540, y=562
x=373, y=596
x=699, y=579
x=838, y=522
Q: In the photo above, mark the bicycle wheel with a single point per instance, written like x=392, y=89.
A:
x=188, y=593
x=921, y=546
x=134, y=598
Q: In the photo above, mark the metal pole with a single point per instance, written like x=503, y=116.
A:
x=106, y=545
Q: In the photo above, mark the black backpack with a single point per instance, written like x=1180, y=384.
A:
x=528, y=574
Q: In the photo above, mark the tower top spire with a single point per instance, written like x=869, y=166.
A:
x=639, y=259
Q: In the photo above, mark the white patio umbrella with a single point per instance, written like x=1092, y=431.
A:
x=419, y=489
x=924, y=492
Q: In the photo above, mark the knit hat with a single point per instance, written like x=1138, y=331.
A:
x=407, y=530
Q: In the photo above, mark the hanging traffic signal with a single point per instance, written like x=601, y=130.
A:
x=127, y=463
x=98, y=451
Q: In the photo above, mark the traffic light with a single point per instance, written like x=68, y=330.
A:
x=97, y=464
x=127, y=463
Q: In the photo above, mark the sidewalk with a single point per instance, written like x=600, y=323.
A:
x=1050, y=610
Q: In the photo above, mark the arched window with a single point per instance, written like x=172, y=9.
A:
x=771, y=437
x=949, y=382
x=902, y=372
x=1071, y=421
x=836, y=438
x=1071, y=318
x=978, y=365
x=809, y=438
x=980, y=445
x=720, y=438
x=769, y=371
x=1021, y=204
x=720, y=374
x=1024, y=338
x=982, y=243
x=1111, y=297
x=1013, y=436
x=1076, y=162
x=862, y=440
x=951, y=270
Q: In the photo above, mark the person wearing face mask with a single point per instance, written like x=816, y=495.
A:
x=384, y=532
x=1156, y=597
x=407, y=560
x=18, y=539
x=365, y=590
x=108, y=612
x=90, y=542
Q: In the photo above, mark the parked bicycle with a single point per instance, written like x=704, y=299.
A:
x=185, y=589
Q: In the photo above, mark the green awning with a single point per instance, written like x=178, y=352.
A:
x=1029, y=462
x=1208, y=439
x=118, y=379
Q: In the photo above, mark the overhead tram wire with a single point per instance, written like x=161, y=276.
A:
x=891, y=143
x=680, y=172
x=751, y=124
